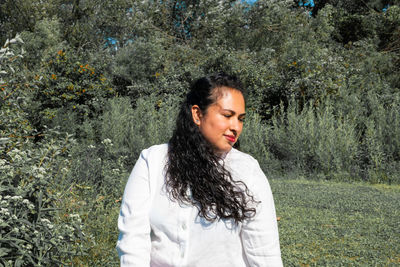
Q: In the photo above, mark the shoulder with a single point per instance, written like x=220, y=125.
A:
x=246, y=168
x=239, y=158
x=155, y=151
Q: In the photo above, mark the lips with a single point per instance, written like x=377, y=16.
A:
x=230, y=138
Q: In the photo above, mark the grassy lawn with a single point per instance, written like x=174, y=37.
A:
x=338, y=224
x=321, y=224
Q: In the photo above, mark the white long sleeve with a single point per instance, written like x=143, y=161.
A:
x=134, y=244
x=260, y=234
x=158, y=232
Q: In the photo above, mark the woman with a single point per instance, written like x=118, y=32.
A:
x=197, y=201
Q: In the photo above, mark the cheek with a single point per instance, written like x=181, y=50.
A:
x=219, y=126
x=213, y=128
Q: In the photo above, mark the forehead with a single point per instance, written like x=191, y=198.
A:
x=229, y=98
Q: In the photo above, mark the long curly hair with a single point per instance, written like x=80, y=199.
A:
x=193, y=166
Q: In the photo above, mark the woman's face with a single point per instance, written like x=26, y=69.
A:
x=222, y=122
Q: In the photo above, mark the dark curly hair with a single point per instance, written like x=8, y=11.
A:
x=193, y=164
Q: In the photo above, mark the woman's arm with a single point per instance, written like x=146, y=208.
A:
x=134, y=244
x=259, y=235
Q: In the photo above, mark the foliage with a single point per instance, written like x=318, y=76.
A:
x=100, y=221
x=68, y=92
x=322, y=142
x=382, y=140
x=132, y=129
x=32, y=232
x=18, y=16
x=322, y=102
x=255, y=139
x=98, y=167
x=92, y=188
x=138, y=63
x=317, y=139
x=46, y=38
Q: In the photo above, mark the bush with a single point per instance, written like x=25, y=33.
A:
x=43, y=42
x=32, y=230
x=133, y=129
x=315, y=140
x=255, y=139
x=68, y=92
x=382, y=140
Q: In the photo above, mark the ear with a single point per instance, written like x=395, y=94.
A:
x=196, y=114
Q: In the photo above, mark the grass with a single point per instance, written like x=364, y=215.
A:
x=321, y=224
x=337, y=224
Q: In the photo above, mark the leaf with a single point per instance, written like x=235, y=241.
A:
x=19, y=262
x=18, y=39
x=4, y=251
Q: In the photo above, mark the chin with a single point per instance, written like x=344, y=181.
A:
x=224, y=149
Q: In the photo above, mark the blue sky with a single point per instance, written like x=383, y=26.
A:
x=250, y=1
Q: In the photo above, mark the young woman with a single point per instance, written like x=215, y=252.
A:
x=197, y=201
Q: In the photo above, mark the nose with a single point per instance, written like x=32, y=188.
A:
x=236, y=126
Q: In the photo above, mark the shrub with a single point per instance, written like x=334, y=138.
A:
x=98, y=167
x=255, y=139
x=68, y=92
x=32, y=231
x=315, y=140
x=43, y=42
x=382, y=140
x=133, y=129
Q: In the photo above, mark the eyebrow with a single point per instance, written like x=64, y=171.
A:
x=225, y=109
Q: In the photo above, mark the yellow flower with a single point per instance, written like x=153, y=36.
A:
x=54, y=77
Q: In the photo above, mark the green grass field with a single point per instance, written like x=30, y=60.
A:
x=338, y=224
x=321, y=224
